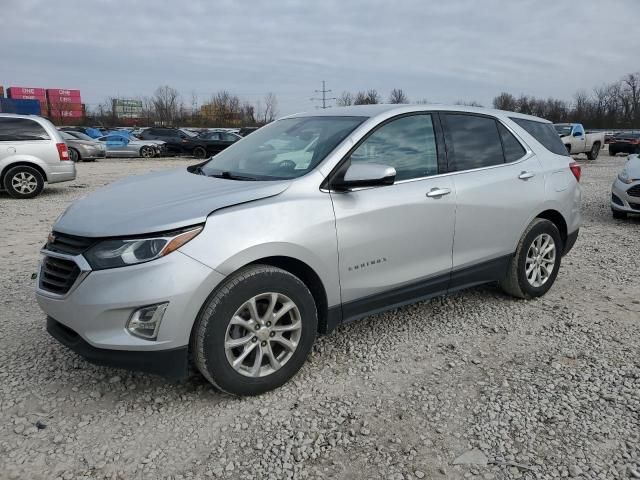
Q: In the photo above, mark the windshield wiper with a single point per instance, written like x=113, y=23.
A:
x=232, y=176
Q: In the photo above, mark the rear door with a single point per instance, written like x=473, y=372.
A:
x=499, y=184
x=394, y=242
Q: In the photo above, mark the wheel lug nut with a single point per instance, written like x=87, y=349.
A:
x=254, y=339
x=264, y=344
x=258, y=327
x=268, y=324
x=272, y=334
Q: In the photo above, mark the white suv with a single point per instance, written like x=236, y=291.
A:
x=310, y=222
x=32, y=152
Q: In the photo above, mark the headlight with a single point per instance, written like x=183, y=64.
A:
x=624, y=177
x=123, y=252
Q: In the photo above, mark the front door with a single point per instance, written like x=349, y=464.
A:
x=394, y=242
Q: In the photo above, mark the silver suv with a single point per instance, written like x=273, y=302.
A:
x=311, y=222
x=32, y=152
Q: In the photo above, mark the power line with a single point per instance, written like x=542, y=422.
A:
x=324, y=98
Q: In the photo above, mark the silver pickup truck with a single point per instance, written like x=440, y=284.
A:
x=578, y=141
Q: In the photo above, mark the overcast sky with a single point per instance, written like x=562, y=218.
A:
x=441, y=51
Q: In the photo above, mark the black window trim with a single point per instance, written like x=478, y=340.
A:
x=440, y=155
x=41, y=126
x=527, y=151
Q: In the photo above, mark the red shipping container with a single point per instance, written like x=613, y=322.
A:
x=61, y=106
x=21, y=96
x=55, y=93
x=1, y=91
x=66, y=114
x=25, y=91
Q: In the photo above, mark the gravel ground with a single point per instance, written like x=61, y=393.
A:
x=477, y=385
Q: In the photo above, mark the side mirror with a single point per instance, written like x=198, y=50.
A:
x=365, y=175
x=577, y=134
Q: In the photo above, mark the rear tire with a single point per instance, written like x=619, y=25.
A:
x=618, y=215
x=595, y=151
x=529, y=275
x=23, y=182
x=235, y=345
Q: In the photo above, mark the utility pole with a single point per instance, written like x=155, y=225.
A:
x=324, y=98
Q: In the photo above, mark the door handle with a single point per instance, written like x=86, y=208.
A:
x=438, y=192
x=526, y=175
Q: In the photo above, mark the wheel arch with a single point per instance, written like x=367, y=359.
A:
x=555, y=217
x=309, y=277
x=22, y=163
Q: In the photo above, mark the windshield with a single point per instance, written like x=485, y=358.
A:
x=563, y=130
x=67, y=136
x=285, y=149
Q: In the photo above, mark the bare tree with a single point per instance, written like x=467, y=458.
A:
x=367, y=98
x=468, y=103
x=166, y=103
x=398, y=96
x=505, y=101
x=270, y=111
x=345, y=99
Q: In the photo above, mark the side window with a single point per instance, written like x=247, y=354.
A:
x=544, y=133
x=408, y=144
x=472, y=142
x=21, y=129
x=227, y=137
x=513, y=150
x=214, y=136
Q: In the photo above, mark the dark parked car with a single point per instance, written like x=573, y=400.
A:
x=625, y=143
x=244, y=131
x=175, y=139
x=210, y=143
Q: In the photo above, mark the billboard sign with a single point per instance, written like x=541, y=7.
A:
x=126, y=108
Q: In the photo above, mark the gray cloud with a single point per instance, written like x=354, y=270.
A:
x=461, y=49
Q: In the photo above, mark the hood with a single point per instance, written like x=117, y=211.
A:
x=157, y=202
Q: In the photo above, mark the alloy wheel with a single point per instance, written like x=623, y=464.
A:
x=24, y=183
x=541, y=260
x=263, y=334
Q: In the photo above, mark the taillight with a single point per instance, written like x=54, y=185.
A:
x=576, y=169
x=63, y=151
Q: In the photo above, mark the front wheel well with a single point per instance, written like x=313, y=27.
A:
x=558, y=220
x=309, y=277
x=18, y=164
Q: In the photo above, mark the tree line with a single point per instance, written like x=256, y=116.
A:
x=167, y=107
x=610, y=106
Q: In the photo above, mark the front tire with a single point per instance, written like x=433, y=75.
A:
x=255, y=332
x=23, y=182
x=199, y=152
x=74, y=155
x=595, y=151
x=534, y=267
x=618, y=215
x=147, y=152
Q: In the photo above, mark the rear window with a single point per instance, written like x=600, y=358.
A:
x=17, y=129
x=544, y=133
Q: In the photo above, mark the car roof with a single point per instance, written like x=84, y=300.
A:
x=388, y=110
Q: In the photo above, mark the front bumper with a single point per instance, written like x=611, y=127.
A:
x=172, y=364
x=91, y=153
x=95, y=310
x=621, y=200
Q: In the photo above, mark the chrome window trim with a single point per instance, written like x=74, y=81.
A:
x=79, y=260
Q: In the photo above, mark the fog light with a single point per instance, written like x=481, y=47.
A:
x=145, y=322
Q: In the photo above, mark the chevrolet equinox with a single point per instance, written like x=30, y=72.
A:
x=313, y=221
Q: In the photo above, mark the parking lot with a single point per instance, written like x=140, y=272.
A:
x=545, y=388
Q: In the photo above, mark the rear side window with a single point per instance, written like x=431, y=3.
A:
x=472, y=142
x=543, y=133
x=16, y=129
x=513, y=150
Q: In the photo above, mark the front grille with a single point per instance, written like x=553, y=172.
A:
x=634, y=191
x=58, y=275
x=69, y=244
